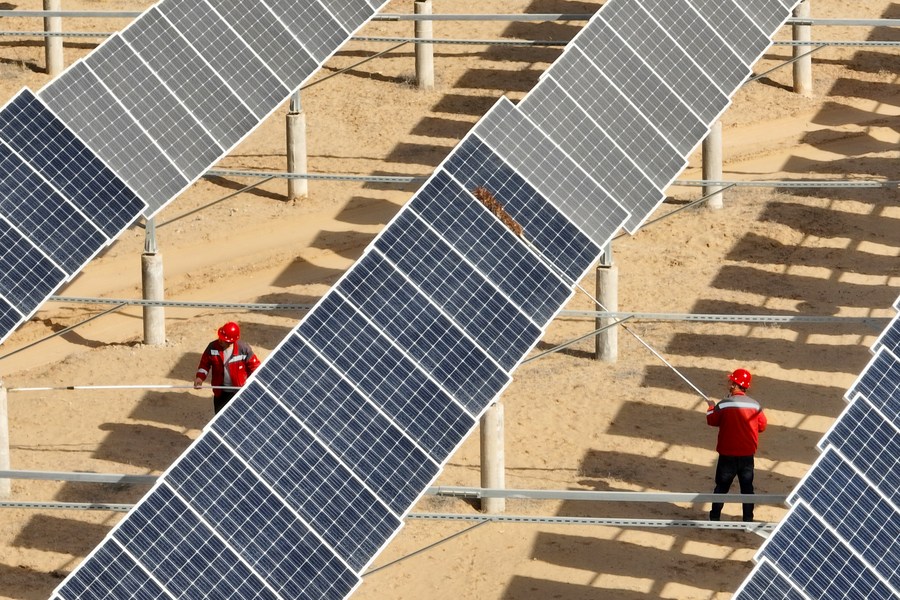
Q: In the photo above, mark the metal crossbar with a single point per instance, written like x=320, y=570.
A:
x=446, y=491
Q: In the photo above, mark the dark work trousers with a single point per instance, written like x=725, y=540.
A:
x=727, y=468
x=225, y=397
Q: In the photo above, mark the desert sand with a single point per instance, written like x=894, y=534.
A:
x=572, y=422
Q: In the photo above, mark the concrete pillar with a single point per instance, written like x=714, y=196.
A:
x=5, y=488
x=53, y=44
x=295, y=127
x=712, y=165
x=493, y=461
x=803, y=66
x=153, y=284
x=607, y=291
x=424, y=52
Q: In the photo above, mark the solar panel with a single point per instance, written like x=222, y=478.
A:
x=817, y=561
x=480, y=239
x=184, y=140
x=697, y=37
x=652, y=96
x=840, y=537
x=459, y=290
x=766, y=581
x=557, y=241
x=769, y=15
x=63, y=160
x=616, y=116
x=890, y=337
x=868, y=440
x=122, y=132
x=568, y=125
x=867, y=522
x=554, y=176
x=85, y=106
x=269, y=38
x=668, y=59
x=747, y=39
x=221, y=47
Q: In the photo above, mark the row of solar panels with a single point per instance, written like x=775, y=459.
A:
x=841, y=536
x=123, y=131
x=295, y=487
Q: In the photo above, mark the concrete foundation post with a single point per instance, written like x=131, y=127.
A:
x=493, y=461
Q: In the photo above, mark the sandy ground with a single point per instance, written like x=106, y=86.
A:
x=571, y=422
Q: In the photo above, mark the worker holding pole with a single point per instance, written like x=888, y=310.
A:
x=230, y=361
x=740, y=420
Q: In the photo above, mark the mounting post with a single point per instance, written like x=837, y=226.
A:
x=493, y=461
x=295, y=126
x=53, y=44
x=424, y=52
x=712, y=165
x=5, y=488
x=802, y=66
x=153, y=284
x=606, y=343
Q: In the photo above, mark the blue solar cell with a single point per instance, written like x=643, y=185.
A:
x=110, y=574
x=559, y=241
x=87, y=108
x=870, y=444
x=414, y=324
x=739, y=30
x=890, y=337
x=320, y=41
x=63, y=159
x=9, y=318
x=350, y=13
x=640, y=84
x=377, y=450
x=863, y=518
x=701, y=42
x=461, y=291
x=880, y=383
x=165, y=119
x=269, y=38
x=248, y=517
x=49, y=220
x=387, y=377
x=817, y=561
x=667, y=58
x=176, y=547
x=227, y=54
x=309, y=479
x=613, y=113
x=27, y=276
x=489, y=245
x=190, y=79
x=553, y=174
x=765, y=581
x=560, y=116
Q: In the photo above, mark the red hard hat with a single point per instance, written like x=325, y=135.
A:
x=741, y=377
x=229, y=332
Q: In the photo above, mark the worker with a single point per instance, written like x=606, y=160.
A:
x=226, y=350
x=740, y=420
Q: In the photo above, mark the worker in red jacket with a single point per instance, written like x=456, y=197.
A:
x=740, y=420
x=226, y=350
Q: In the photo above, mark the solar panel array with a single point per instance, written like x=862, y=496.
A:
x=841, y=536
x=295, y=487
x=122, y=132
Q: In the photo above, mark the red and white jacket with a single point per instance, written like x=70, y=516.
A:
x=740, y=420
x=241, y=364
